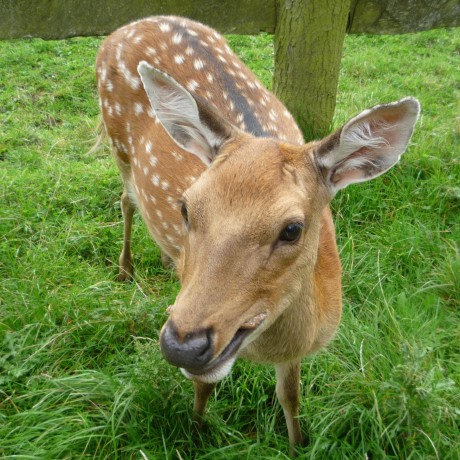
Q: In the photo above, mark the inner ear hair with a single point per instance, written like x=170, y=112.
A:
x=210, y=117
x=368, y=145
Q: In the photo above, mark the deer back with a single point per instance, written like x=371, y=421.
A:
x=155, y=168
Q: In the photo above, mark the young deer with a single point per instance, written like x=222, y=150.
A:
x=219, y=171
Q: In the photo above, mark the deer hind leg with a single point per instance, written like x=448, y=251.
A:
x=288, y=393
x=126, y=259
x=202, y=393
x=166, y=261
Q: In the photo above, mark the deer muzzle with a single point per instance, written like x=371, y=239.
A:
x=194, y=352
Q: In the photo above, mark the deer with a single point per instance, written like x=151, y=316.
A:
x=236, y=200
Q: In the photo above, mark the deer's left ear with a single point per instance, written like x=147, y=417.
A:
x=368, y=145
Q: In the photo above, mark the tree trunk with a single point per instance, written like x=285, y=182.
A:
x=309, y=38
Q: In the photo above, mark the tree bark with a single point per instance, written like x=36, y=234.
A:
x=309, y=38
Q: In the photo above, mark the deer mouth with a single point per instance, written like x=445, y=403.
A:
x=220, y=366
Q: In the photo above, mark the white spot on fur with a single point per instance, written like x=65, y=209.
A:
x=177, y=156
x=156, y=180
x=198, y=64
x=153, y=160
x=133, y=81
x=179, y=59
x=192, y=85
x=177, y=38
x=103, y=73
x=151, y=51
x=273, y=115
x=138, y=108
x=165, y=27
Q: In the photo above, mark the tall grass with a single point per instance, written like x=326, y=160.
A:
x=80, y=371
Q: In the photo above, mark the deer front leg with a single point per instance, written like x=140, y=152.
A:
x=202, y=393
x=126, y=259
x=288, y=393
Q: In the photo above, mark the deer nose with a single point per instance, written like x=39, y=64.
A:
x=191, y=351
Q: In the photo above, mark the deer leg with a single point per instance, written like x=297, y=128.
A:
x=166, y=261
x=126, y=259
x=202, y=393
x=288, y=393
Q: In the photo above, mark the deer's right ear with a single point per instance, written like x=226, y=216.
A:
x=368, y=145
x=193, y=126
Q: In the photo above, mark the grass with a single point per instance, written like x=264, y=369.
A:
x=80, y=371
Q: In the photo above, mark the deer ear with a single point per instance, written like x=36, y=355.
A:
x=193, y=126
x=368, y=145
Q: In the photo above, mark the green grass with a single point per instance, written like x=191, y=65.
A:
x=80, y=371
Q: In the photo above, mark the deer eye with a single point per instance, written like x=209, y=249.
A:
x=291, y=233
